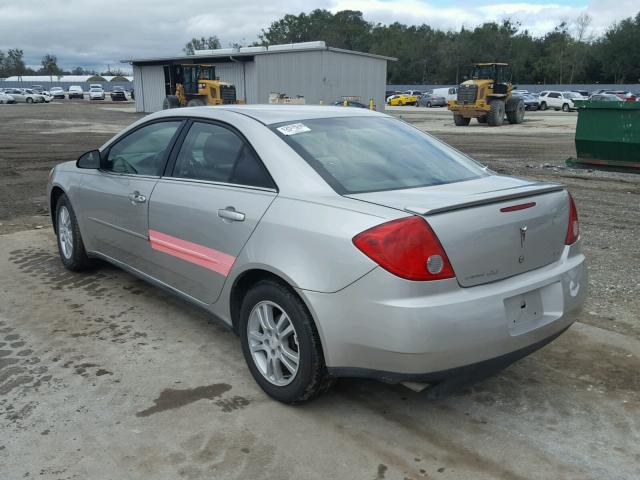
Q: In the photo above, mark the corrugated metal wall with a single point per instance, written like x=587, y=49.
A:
x=322, y=75
x=234, y=74
x=293, y=73
x=148, y=81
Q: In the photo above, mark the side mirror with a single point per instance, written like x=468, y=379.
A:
x=90, y=159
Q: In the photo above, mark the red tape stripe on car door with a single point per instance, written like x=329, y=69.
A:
x=206, y=257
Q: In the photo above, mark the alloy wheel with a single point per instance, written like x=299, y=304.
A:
x=273, y=343
x=65, y=232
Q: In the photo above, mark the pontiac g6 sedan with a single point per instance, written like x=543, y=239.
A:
x=336, y=242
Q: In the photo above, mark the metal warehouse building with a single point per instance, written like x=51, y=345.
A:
x=311, y=69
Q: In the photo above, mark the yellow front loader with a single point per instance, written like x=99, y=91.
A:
x=487, y=96
x=195, y=86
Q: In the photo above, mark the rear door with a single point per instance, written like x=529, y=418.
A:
x=203, y=212
x=114, y=199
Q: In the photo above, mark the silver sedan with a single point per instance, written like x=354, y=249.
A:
x=335, y=242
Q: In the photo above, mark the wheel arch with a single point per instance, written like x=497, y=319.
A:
x=241, y=285
x=56, y=193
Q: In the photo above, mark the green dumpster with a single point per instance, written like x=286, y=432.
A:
x=608, y=133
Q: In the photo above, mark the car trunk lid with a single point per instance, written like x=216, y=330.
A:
x=491, y=228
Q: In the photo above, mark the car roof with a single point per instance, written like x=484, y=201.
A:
x=270, y=114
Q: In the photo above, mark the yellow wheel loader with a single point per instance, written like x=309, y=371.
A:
x=487, y=96
x=195, y=86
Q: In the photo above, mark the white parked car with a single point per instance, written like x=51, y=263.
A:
x=449, y=93
x=4, y=98
x=44, y=96
x=24, y=95
x=96, y=93
x=558, y=100
x=57, y=92
x=75, y=91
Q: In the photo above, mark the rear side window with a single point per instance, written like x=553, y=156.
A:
x=217, y=154
x=366, y=154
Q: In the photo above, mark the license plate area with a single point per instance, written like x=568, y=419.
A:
x=530, y=310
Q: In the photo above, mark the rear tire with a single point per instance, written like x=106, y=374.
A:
x=428, y=104
x=460, y=121
x=516, y=115
x=170, y=101
x=195, y=102
x=70, y=245
x=495, y=117
x=310, y=378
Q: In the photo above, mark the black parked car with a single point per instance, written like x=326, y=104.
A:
x=530, y=100
x=350, y=103
x=117, y=93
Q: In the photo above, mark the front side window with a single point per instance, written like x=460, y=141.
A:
x=142, y=152
x=365, y=154
x=217, y=154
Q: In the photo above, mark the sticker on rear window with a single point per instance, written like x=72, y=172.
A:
x=293, y=128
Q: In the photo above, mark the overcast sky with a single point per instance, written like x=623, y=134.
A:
x=95, y=34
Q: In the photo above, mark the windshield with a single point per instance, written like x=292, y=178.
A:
x=572, y=95
x=96, y=90
x=365, y=154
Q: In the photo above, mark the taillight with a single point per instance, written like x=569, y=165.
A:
x=408, y=248
x=573, y=229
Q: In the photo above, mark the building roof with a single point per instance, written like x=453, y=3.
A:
x=228, y=53
x=63, y=78
x=270, y=114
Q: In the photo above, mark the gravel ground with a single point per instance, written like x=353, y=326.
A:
x=104, y=376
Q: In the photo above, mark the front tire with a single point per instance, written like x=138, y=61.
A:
x=565, y=107
x=543, y=106
x=281, y=344
x=495, y=117
x=460, y=121
x=70, y=245
x=29, y=100
x=170, y=101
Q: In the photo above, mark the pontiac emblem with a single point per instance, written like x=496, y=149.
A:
x=523, y=235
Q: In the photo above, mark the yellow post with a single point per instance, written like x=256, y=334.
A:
x=345, y=103
x=321, y=102
x=371, y=104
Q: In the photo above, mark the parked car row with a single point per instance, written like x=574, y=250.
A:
x=416, y=98
x=36, y=94
x=545, y=100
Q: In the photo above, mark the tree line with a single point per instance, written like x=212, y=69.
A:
x=12, y=64
x=570, y=53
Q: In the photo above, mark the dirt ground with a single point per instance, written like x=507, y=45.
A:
x=103, y=376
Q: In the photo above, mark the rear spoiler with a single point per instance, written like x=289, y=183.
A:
x=493, y=196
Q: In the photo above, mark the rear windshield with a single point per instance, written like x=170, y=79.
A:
x=368, y=154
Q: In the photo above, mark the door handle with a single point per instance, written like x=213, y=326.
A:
x=230, y=214
x=137, y=197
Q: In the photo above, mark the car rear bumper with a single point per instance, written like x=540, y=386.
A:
x=384, y=327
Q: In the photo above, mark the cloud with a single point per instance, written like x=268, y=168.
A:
x=94, y=34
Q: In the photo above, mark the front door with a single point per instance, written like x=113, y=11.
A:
x=115, y=199
x=201, y=216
